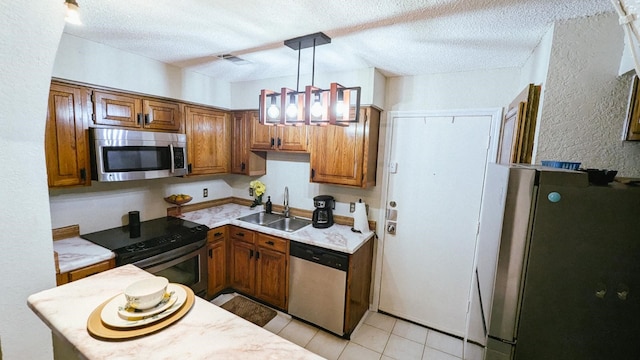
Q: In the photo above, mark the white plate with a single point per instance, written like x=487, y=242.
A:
x=128, y=313
x=110, y=313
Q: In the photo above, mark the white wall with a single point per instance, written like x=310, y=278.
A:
x=585, y=100
x=461, y=90
x=30, y=34
x=93, y=63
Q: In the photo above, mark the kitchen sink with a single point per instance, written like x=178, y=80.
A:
x=276, y=221
x=288, y=224
x=261, y=218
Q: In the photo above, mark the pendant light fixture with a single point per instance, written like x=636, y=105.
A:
x=337, y=105
x=73, y=16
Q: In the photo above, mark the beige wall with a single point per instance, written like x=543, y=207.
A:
x=30, y=33
x=585, y=100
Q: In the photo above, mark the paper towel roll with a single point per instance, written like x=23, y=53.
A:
x=360, y=221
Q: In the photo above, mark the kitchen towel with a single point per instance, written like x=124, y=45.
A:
x=360, y=221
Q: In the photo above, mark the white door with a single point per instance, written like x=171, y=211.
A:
x=436, y=172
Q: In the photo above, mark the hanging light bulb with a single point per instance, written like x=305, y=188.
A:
x=316, y=108
x=273, y=112
x=292, y=109
x=73, y=16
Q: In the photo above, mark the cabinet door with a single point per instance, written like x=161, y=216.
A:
x=262, y=136
x=161, y=115
x=346, y=155
x=117, y=109
x=217, y=265
x=292, y=138
x=243, y=267
x=65, y=141
x=271, y=277
x=208, y=140
x=244, y=161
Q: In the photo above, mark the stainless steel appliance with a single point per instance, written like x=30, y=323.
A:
x=169, y=247
x=318, y=285
x=119, y=154
x=567, y=284
x=323, y=214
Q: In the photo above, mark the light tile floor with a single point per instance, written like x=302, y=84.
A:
x=379, y=337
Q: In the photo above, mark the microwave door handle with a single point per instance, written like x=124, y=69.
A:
x=173, y=160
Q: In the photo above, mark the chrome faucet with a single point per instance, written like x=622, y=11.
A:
x=286, y=202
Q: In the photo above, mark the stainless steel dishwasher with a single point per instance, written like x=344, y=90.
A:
x=317, y=286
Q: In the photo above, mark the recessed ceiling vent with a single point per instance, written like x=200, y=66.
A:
x=234, y=59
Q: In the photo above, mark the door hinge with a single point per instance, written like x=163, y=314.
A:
x=93, y=117
x=93, y=97
x=478, y=228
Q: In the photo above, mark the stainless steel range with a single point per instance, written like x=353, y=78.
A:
x=169, y=247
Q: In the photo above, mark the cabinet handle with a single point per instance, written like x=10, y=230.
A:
x=139, y=118
x=217, y=234
x=279, y=142
x=83, y=174
x=146, y=119
x=270, y=243
x=272, y=142
x=257, y=255
x=240, y=234
x=313, y=173
x=242, y=166
x=189, y=169
x=211, y=253
x=250, y=254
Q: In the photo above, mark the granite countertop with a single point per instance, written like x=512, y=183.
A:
x=336, y=237
x=205, y=332
x=75, y=253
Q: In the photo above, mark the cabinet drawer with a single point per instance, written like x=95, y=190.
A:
x=274, y=243
x=89, y=270
x=217, y=234
x=241, y=234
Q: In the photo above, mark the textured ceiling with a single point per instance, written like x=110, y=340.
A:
x=399, y=37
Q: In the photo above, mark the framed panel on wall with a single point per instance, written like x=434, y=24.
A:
x=632, y=127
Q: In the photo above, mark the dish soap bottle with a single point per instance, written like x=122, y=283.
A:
x=267, y=205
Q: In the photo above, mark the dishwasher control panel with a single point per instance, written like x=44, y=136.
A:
x=318, y=255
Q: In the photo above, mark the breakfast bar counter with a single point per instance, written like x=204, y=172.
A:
x=205, y=332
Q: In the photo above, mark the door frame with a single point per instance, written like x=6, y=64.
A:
x=387, y=126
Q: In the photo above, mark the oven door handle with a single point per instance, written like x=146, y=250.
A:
x=163, y=258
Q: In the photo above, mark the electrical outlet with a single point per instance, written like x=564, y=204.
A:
x=205, y=192
x=352, y=207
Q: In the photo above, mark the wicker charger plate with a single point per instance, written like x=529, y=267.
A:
x=97, y=328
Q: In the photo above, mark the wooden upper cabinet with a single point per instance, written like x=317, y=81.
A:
x=66, y=142
x=161, y=115
x=279, y=138
x=243, y=160
x=346, y=155
x=208, y=140
x=125, y=110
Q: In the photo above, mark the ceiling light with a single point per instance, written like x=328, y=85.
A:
x=337, y=105
x=73, y=16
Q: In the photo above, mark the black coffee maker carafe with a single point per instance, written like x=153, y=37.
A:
x=323, y=214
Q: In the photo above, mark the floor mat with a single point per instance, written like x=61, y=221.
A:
x=249, y=310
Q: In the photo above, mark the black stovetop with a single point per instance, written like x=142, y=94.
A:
x=156, y=236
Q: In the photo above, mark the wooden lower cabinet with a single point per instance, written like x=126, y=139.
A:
x=78, y=274
x=260, y=266
x=217, y=279
x=358, y=285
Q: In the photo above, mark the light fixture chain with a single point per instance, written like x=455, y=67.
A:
x=298, y=80
x=313, y=66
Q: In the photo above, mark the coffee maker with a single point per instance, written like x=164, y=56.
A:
x=323, y=214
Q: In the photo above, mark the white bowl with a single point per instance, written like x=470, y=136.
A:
x=146, y=293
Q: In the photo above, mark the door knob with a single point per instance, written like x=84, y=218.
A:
x=391, y=228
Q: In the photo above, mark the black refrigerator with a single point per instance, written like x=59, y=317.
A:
x=567, y=279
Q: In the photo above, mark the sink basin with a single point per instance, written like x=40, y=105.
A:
x=288, y=224
x=261, y=218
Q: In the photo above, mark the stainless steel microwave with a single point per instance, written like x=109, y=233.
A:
x=120, y=154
